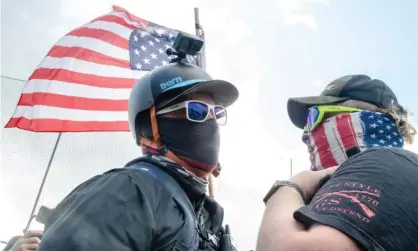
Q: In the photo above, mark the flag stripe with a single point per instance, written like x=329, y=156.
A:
x=82, y=34
x=56, y=125
x=129, y=18
x=316, y=160
x=346, y=131
x=48, y=112
x=358, y=129
x=63, y=101
x=323, y=147
x=77, y=90
x=115, y=18
x=87, y=55
x=334, y=140
x=80, y=66
x=81, y=78
x=110, y=27
x=95, y=45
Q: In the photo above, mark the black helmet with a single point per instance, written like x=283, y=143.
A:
x=172, y=81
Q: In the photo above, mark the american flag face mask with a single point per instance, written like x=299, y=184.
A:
x=328, y=142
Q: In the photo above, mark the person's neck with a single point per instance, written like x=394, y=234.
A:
x=180, y=169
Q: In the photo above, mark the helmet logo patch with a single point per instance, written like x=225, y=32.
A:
x=170, y=83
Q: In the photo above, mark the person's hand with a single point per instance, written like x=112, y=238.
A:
x=28, y=242
x=309, y=181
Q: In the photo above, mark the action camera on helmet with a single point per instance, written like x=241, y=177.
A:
x=185, y=44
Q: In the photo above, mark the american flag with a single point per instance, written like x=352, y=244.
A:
x=83, y=83
x=365, y=129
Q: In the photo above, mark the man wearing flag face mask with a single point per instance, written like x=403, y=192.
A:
x=360, y=191
x=352, y=111
x=158, y=201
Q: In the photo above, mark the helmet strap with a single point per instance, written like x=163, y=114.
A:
x=153, y=117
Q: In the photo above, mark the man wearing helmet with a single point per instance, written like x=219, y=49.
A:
x=158, y=201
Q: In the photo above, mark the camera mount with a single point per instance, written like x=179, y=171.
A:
x=185, y=44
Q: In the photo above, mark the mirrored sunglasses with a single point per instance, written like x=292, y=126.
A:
x=316, y=114
x=198, y=111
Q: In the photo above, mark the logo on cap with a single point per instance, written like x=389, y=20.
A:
x=332, y=86
x=170, y=83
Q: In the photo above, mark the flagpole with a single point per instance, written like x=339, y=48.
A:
x=198, y=30
x=38, y=196
x=291, y=168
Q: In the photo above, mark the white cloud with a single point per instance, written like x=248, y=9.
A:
x=294, y=18
x=72, y=10
x=295, y=12
x=238, y=34
x=8, y=216
x=319, y=1
x=318, y=83
x=291, y=5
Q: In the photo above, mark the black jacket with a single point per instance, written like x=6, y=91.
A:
x=151, y=204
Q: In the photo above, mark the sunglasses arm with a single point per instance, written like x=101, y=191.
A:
x=171, y=109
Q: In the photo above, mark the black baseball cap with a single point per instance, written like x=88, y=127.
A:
x=357, y=87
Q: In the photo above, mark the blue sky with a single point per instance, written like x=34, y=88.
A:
x=271, y=49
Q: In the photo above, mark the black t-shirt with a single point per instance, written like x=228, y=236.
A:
x=373, y=198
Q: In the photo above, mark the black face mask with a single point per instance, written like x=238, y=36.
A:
x=198, y=142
